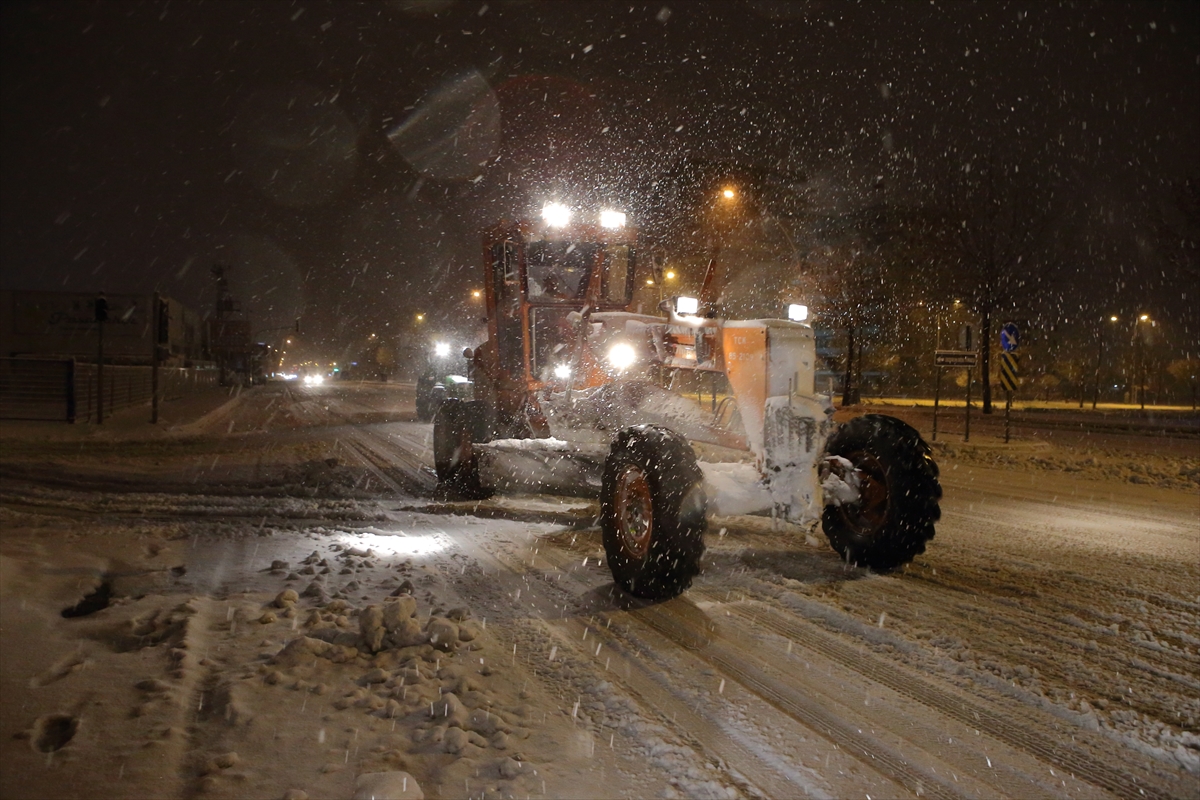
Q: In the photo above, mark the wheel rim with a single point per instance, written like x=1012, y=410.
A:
x=635, y=512
x=870, y=513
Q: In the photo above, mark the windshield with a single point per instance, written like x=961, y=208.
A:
x=559, y=271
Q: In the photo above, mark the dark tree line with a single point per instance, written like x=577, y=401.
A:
x=891, y=276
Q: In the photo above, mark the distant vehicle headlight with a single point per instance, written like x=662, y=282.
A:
x=621, y=356
x=314, y=380
x=562, y=371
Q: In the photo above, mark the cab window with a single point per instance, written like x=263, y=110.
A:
x=558, y=271
x=616, y=280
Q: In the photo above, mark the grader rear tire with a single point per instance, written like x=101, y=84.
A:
x=652, y=512
x=893, y=518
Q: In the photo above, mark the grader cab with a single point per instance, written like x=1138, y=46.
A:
x=541, y=280
x=667, y=418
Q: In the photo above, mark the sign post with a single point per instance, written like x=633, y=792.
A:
x=954, y=358
x=967, y=429
x=937, y=391
x=1010, y=339
x=1009, y=367
x=101, y=306
x=155, y=338
x=1007, y=412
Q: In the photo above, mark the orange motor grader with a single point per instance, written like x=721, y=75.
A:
x=669, y=417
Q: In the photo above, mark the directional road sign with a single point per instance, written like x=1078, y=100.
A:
x=1009, y=369
x=955, y=358
x=1010, y=337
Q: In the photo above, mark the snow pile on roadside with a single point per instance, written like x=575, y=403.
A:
x=330, y=674
x=1162, y=471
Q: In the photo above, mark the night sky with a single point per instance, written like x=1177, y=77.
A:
x=342, y=157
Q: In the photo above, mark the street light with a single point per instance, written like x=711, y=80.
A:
x=1139, y=345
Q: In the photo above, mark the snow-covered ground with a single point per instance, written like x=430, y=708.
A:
x=271, y=603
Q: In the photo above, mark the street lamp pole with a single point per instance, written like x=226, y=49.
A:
x=1099, y=360
x=1140, y=366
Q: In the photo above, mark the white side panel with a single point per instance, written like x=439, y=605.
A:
x=791, y=353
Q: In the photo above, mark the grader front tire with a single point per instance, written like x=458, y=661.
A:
x=652, y=512
x=898, y=493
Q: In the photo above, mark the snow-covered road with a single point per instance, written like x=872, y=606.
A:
x=1046, y=645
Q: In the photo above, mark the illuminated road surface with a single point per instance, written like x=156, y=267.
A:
x=1044, y=646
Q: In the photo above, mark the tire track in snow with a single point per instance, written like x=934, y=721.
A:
x=739, y=666
x=394, y=469
x=1064, y=594
x=1026, y=734
x=633, y=674
x=960, y=598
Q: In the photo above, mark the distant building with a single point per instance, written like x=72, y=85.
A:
x=63, y=325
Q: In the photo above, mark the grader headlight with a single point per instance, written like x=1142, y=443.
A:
x=621, y=356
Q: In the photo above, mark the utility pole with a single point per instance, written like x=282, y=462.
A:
x=224, y=304
x=158, y=338
x=101, y=307
x=1140, y=356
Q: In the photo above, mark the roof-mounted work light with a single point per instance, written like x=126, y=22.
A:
x=797, y=312
x=687, y=306
x=612, y=219
x=556, y=215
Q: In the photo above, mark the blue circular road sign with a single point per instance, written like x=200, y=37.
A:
x=1010, y=337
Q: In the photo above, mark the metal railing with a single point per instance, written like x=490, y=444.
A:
x=61, y=389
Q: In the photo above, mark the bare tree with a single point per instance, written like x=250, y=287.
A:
x=1001, y=226
x=1178, y=234
x=1179, y=228
x=854, y=293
